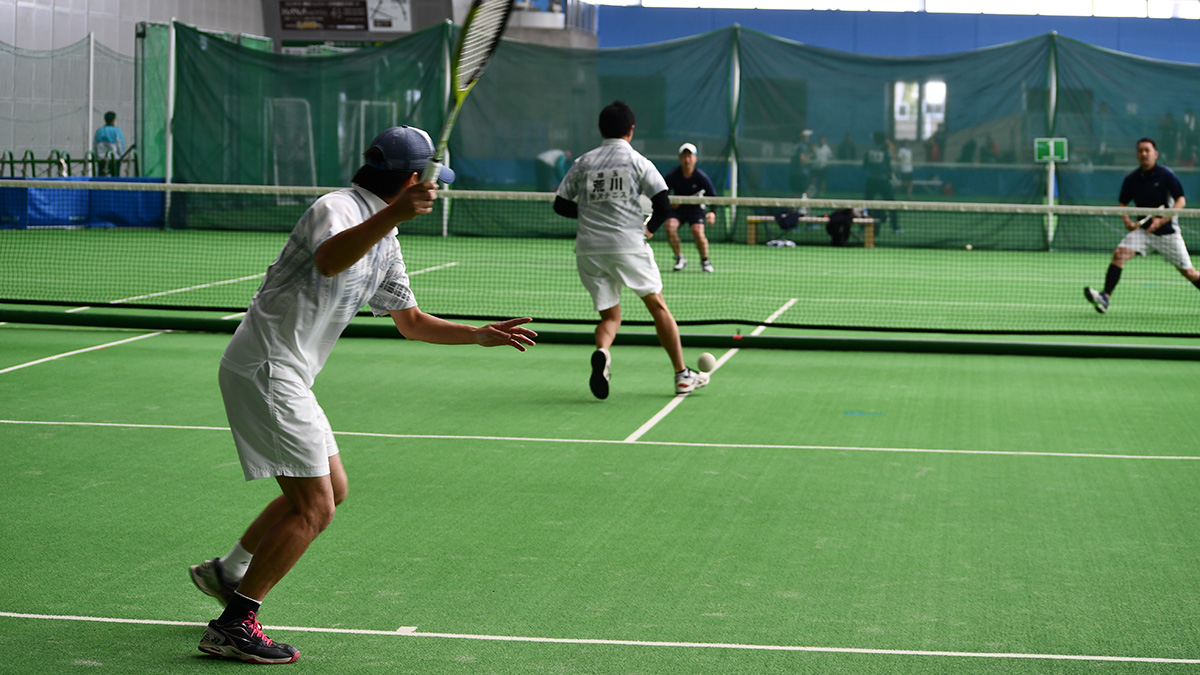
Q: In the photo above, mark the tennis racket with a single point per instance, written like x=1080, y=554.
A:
x=1144, y=221
x=480, y=37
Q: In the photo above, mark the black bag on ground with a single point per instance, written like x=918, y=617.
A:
x=840, y=222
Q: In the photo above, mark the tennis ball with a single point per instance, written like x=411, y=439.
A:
x=968, y=247
x=707, y=362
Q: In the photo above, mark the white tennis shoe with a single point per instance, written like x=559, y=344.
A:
x=680, y=263
x=689, y=380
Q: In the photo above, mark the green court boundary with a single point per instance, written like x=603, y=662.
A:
x=700, y=340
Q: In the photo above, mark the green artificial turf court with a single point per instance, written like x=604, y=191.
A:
x=891, y=287
x=808, y=512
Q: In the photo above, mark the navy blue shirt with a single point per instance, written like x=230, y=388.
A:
x=878, y=162
x=697, y=184
x=1150, y=189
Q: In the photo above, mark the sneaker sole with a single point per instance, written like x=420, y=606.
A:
x=235, y=654
x=200, y=584
x=598, y=383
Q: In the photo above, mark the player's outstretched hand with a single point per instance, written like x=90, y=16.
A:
x=510, y=333
x=414, y=200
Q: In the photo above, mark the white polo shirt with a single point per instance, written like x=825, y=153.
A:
x=298, y=314
x=605, y=183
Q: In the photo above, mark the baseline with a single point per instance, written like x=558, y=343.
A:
x=411, y=631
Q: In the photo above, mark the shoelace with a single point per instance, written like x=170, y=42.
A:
x=255, y=628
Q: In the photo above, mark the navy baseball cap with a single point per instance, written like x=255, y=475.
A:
x=405, y=150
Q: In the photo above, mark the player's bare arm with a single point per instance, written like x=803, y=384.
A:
x=347, y=247
x=417, y=325
x=1129, y=222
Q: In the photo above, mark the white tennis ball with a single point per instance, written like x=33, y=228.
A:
x=968, y=247
x=707, y=362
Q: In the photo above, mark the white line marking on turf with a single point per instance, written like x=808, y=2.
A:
x=432, y=269
x=80, y=351
x=411, y=631
x=650, y=423
x=597, y=441
x=191, y=288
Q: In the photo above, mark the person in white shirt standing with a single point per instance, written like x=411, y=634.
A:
x=601, y=191
x=822, y=156
x=342, y=254
x=904, y=157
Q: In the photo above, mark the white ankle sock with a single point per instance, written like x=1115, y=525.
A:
x=234, y=564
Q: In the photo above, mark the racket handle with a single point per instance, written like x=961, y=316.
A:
x=432, y=170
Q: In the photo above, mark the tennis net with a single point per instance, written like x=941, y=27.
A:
x=907, y=266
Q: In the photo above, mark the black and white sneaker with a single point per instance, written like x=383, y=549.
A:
x=706, y=266
x=680, y=263
x=1099, y=300
x=209, y=577
x=244, y=640
x=601, y=361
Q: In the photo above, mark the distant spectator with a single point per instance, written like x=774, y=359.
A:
x=904, y=158
x=109, y=146
x=877, y=164
x=846, y=149
x=822, y=155
x=967, y=155
x=799, y=175
x=989, y=153
x=550, y=168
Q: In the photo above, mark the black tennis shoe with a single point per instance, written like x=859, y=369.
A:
x=1098, y=300
x=244, y=641
x=601, y=362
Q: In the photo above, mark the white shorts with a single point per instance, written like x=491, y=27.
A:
x=603, y=275
x=1171, y=246
x=277, y=425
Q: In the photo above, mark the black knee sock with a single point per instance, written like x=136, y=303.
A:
x=239, y=608
x=1111, y=279
x=1196, y=283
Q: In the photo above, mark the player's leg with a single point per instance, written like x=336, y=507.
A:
x=701, y=246
x=311, y=505
x=1174, y=251
x=606, y=332
x=672, y=227
x=280, y=506
x=237, y=634
x=666, y=329
x=1126, y=250
x=686, y=379
x=604, y=285
x=889, y=193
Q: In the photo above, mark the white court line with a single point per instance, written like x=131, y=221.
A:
x=432, y=269
x=650, y=423
x=80, y=351
x=191, y=288
x=411, y=631
x=597, y=441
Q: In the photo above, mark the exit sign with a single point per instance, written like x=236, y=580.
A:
x=1050, y=149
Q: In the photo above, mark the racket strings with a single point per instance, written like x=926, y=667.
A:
x=480, y=40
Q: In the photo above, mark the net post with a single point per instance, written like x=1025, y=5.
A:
x=1050, y=178
x=167, y=138
x=91, y=94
